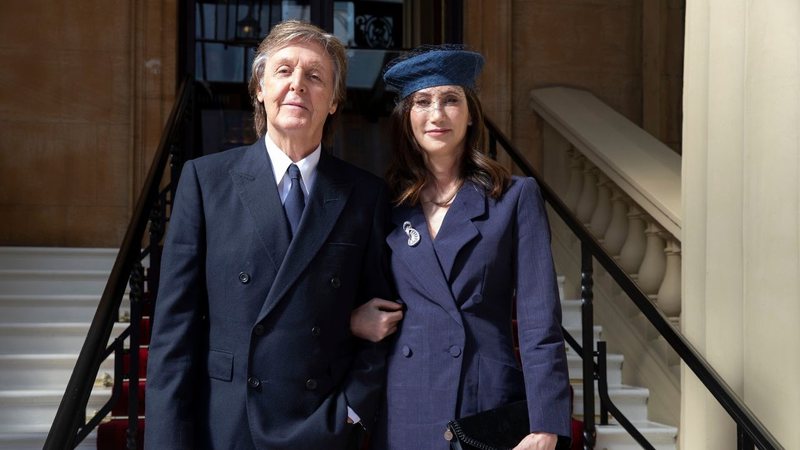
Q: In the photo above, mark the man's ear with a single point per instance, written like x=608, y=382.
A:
x=260, y=94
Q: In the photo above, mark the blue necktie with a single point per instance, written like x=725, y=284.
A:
x=295, y=201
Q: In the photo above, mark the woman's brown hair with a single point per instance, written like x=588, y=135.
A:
x=408, y=175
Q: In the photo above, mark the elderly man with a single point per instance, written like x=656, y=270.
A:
x=270, y=248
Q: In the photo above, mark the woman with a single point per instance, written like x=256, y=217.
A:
x=467, y=237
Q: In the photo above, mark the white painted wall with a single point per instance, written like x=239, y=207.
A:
x=741, y=213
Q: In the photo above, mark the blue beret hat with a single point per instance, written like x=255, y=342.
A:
x=437, y=67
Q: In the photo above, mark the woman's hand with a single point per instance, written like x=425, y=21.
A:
x=376, y=319
x=538, y=441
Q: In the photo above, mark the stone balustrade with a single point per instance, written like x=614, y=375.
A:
x=621, y=183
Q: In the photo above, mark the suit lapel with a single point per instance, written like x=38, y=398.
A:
x=325, y=203
x=457, y=229
x=421, y=259
x=255, y=183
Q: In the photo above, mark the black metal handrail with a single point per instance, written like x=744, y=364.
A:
x=750, y=431
x=70, y=426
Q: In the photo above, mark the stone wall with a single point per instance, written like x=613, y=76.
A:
x=84, y=90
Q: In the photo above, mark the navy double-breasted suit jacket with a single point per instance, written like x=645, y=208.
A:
x=454, y=353
x=251, y=345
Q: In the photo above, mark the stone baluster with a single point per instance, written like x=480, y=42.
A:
x=632, y=252
x=588, y=199
x=654, y=263
x=617, y=230
x=669, y=295
x=575, y=179
x=602, y=213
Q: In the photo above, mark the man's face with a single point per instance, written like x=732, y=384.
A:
x=297, y=91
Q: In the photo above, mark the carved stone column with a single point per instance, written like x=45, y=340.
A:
x=588, y=198
x=651, y=272
x=632, y=252
x=617, y=229
x=575, y=179
x=602, y=213
x=669, y=294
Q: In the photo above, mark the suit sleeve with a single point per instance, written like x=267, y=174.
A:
x=539, y=318
x=173, y=355
x=366, y=379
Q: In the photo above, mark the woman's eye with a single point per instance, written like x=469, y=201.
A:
x=452, y=101
x=422, y=103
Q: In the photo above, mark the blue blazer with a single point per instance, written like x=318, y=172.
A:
x=454, y=353
x=251, y=342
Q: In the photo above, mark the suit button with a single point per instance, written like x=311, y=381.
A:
x=315, y=331
x=244, y=277
x=311, y=384
x=455, y=351
x=406, y=351
x=335, y=282
x=253, y=382
x=258, y=330
x=477, y=298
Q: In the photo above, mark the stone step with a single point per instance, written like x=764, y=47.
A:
x=50, y=338
x=631, y=400
x=53, y=282
x=20, y=410
x=58, y=258
x=42, y=371
x=614, y=437
x=613, y=361
x=33, y=438
x=571, y=313
x=48, y=308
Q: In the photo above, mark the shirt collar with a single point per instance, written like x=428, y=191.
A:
x=280, y=163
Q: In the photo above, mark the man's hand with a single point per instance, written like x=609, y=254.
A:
x=538, y=441
x=376, y=319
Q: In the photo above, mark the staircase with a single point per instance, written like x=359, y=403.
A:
x=631, y=400
x=48, y=297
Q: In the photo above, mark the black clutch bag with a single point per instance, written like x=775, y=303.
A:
x=496, y=429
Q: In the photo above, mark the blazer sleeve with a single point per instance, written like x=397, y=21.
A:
x=365, y=382
x=541, y=342
x=173, y=355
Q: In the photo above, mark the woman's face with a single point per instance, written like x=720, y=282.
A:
x=439, y=119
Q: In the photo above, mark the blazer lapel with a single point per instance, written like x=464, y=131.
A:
x=457, y=229
x=255, y=183
x=325, y=203
x=421, y=259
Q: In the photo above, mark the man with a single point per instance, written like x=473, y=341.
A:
x=269, y=249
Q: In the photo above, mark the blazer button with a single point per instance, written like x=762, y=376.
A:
x=455, y=351
x=244, y=277
x=311, y=384
x=315, y=331
x=406, y=351
x=258, y=330
x=253, y=382
x=335, y=282
x=477, y=298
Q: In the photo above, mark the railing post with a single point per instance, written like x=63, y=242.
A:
x=587, y=337
x=137, y=292
x=602, y=381
x=743, y=441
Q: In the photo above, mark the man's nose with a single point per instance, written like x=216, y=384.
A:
x=298, y=81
